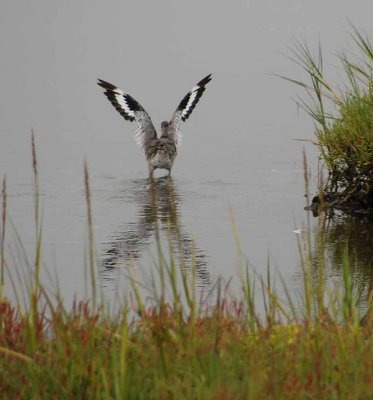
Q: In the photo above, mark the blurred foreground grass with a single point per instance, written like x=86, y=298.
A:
x=318, y=346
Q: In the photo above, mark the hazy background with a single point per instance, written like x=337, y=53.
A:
x=237, y=149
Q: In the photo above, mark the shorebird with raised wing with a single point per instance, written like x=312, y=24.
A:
x=160, y=151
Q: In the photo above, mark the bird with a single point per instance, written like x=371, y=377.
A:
x=160, y=151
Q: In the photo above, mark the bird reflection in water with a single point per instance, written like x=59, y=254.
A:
x=158, y=201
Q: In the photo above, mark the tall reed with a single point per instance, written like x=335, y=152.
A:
x=2, y=241
x=92, y=259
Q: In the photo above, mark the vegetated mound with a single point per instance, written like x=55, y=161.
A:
x=348, y=153
x=344, y=127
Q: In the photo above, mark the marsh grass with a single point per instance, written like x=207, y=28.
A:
x=315, y=346
x=343, y=117
x=2, y=243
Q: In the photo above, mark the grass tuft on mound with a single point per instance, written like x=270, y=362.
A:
x=343, y=120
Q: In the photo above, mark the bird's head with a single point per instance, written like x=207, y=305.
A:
x=165, y=124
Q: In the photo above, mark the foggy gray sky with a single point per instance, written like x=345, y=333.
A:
x=53, y=51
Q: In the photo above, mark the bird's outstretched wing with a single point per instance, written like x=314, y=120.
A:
x=131, y=110
x=186, y=107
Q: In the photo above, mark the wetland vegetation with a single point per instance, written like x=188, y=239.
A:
x=169, y=344
x=343, y=116
x=165, y=341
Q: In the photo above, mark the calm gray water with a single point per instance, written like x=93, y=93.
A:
x=238, y=148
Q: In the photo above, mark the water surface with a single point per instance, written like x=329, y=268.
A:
x=238, y=149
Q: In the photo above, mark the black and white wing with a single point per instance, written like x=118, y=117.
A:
x=186, y=107
x=131, y=110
